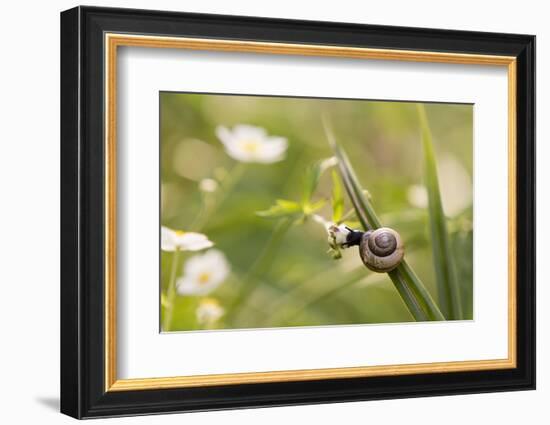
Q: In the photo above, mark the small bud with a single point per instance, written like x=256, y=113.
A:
x=327, y=163
x=337, y=235
x=334, y=253
x=208, y=185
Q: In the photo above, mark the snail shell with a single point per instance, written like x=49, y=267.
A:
x=381, y=250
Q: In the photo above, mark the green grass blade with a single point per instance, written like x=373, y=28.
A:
x=365, y=212
x=414, y=294
x=312, y=177
x=421, y=294
x=337, y=198
x=447, y=286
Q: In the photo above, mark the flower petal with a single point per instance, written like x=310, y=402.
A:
x=247, y=143
x=209, y=311
x=236, y=151
x=167, y=241
x=213, y=264
x=191, y=241
x=187, y=285
x=245, y=131
x=217, y=265
x=225, y=135
x=272, y=150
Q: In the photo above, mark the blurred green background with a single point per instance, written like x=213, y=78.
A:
x=297, y=283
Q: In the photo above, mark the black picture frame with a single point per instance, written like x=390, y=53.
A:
x=83, y=392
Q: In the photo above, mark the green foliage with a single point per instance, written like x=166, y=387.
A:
x=449, y=296
x=412, y=291
x=282, y=208
x=359, y=197
x=281, y=274
x=312, y=176
x=307, y=206
x=337, y=198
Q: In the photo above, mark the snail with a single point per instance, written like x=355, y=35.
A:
x=381, y=250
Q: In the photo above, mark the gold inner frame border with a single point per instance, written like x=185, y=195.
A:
x=113, y=40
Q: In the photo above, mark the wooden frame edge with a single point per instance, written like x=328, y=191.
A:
x=306, y=375
x=114, y=40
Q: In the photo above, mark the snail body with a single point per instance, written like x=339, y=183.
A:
x=381, y=250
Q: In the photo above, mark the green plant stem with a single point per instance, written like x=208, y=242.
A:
x=259, y=267
x=211, y=205
x=414, y=294
x=419, y=301
x=171, y=294
x=447, y=285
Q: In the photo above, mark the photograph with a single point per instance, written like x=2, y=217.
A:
x=283, y=212
x=262, y=211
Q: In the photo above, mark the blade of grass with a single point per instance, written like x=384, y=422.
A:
x=337, y=198
x=414, y=294
x=360, y=202
x=312, y=177
x=447, y=286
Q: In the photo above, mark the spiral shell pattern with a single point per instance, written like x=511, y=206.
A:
x=381, y=250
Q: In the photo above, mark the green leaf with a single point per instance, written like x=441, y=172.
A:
x=337, y=198
x=312, y=177
x=414, y=294
x=352, y=224
x=447, y=287
x=312, y=207
x=282, y=208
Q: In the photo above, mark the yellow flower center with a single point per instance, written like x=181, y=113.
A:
x=250, y=146
x=179, y=232
x=204, y=278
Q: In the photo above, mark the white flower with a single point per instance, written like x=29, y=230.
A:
x=327, y=163
x=170, y=240
x=247, y=143
x=209, y=311
x=337, y=238
x=203, y=273
x=208, y=185
x=337, y=235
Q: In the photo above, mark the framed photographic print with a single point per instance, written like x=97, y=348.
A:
x=261, y=212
